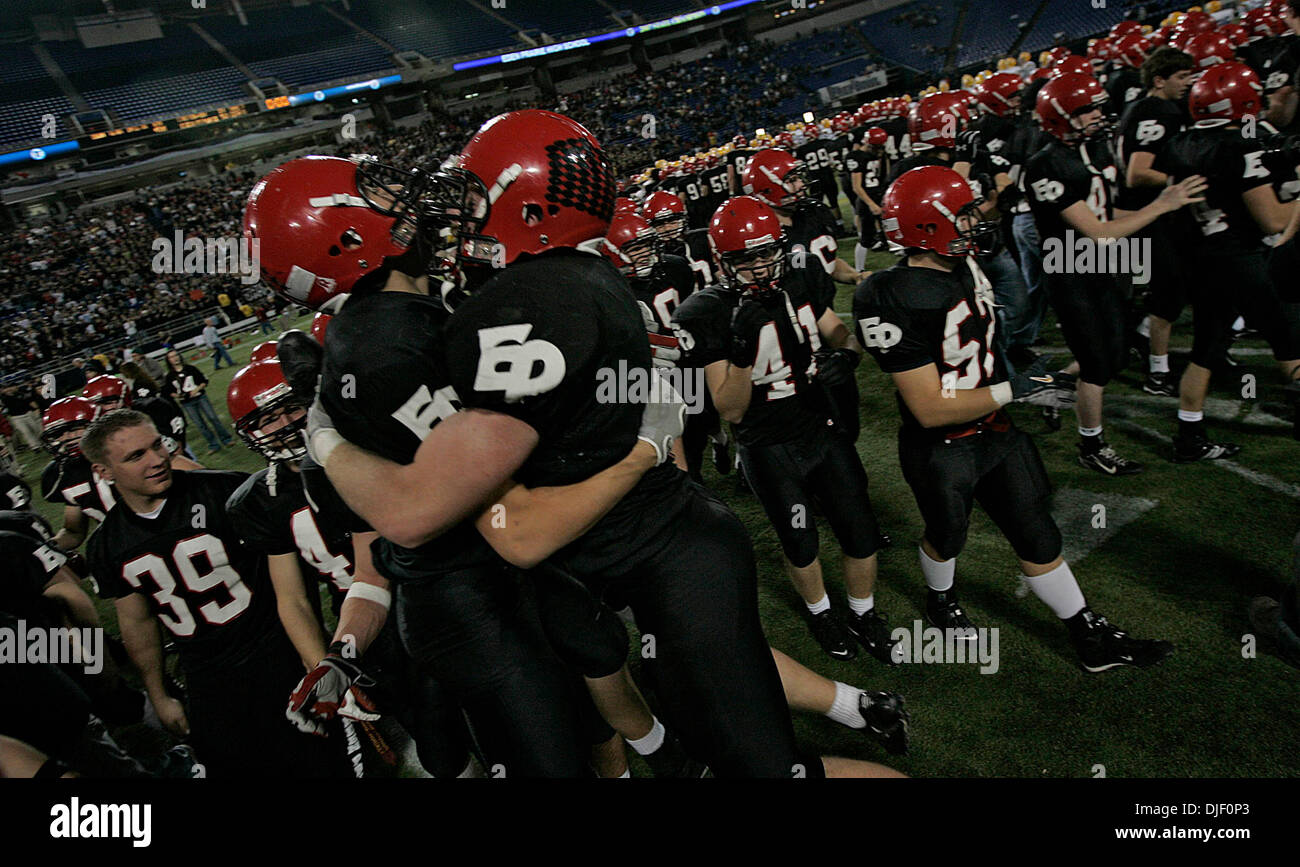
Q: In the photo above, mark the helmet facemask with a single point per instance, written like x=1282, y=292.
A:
x=757, y=270
x=670, y=226
x=975, y=235
x=276, y=429
x=63, y=439
x=640, y=257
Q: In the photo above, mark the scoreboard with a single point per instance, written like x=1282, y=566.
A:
x=171, y=124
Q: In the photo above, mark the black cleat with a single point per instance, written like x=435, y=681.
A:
x=1190, y=449
x=832, y=636
x=1265, y=617
x=1105, y=461
x=1101, y=646
x=887, y=719
x=872, y=632
x=1052, y=418
x=1160, y=384
x=944, y=611
x=671, y=761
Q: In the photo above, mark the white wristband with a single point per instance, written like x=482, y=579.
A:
x=323, y=444
x=1002, y=393
x=371, y=593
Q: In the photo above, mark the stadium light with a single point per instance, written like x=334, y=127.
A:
x=809, y=117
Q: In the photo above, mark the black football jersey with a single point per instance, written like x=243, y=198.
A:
x=207, y=588
x=1146, y=126
x=1124, y=86
x=1275, y=60
x=996, y=135
x=1058, y=176
x=385, y=384
x=31, y=524
x=874, y=171
x=15, y=493
x=714, y=185
x=817, y=156
x=1232, y=165
x=73, y=482
x=167, y=417
x=550, y=340
x=737, y=161
x=186, y=381
x=910, y=317
x=271, y=514
x=898, y=143
x=697, y=195
x=29, y=564
x=784, y=405
x=810, y=246
x=664, y=291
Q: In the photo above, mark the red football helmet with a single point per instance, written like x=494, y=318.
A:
x=876, y=136
x=740, y=141
x=632, y=244
x=1226, y=91
x=323, y=223
x=1236, y=34
x=1197, y=22
x=528, y=182
x=263, y=351
x=63, y=424
x=936, y=119
x=319, y=323
x=267, y=415
x=1210, y=48
x=1061, y=102
x=108, y=392
x=624, y=205
x=1125, y=28
x=667, y=213
x=932, y=208
x=997, y=93
x=1101, y=51
x=1056, y=55
x=784, y=140
x=1068, y=65
x=746, y=236
x=1133, y=50
x=772, y=177
x=1158, y=37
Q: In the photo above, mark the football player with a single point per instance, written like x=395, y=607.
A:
x=1226, y=243
x=739, y=157
x=1071, y=186
x=770, y=346
x=667, y=214
x=777, y=179
x=459, y=608
x=929, y=323
x=660, y=284
x=525, y=347
x=168, y=555
x=272, y=514
x=817, y=156
x=1274, y=53
x=868, y=167
x=940, y=138
x=69, y=480
x=1145, y=128
x=15, y=493
x=1126, y=84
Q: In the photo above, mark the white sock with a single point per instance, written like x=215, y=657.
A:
x=844, y=710
x=861, y=606
x=1089, y=431
x=1158, y=363
x=1144, y=327
x=860, y=257
x=1058, y=590
x=1191, y=415
x=626, y=775
x=1239, y=324
x=651, y=742
x=823, y=604
x=938, y=576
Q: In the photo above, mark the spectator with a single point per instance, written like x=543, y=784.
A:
x=263, y=320
x=212, y=339
x=24, y=412
x=187, y=386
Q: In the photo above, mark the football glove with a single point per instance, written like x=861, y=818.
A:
x=835, y=367
x=968, y=146
x=887, y=719
x=747, y=320
x=334, y=687
x=664, y=418
x=1042, y=387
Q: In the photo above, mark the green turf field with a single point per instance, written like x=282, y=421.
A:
x=1183, y=551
